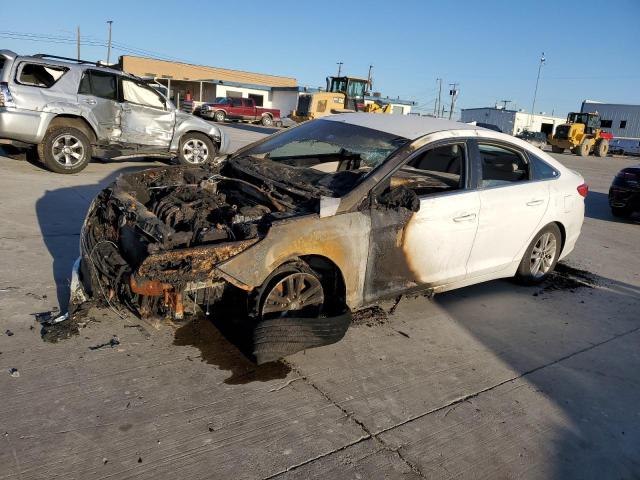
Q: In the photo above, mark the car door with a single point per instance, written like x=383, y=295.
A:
x=430, y=246
x=98, y=98
x=237, y=108
x=146, y=118
x=511, y=206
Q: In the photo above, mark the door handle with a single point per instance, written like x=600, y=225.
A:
x=90, y=101
x=465, y=218
x=533, y=203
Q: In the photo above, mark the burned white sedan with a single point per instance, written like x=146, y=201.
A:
x=325, y=218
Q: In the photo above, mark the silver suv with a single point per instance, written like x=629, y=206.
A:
x=73, y=110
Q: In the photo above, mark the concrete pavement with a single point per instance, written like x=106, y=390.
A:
x=490, y=381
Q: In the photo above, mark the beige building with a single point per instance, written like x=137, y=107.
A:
x=205, y=83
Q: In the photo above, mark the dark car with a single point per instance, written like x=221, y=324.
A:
x=624, y=193
x=538, y=139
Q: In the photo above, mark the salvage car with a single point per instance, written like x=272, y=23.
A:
x=314, y=222
x=234, y=108
x=73, y=110
x=624, y=193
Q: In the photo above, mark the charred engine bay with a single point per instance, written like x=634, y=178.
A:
x=175, y=223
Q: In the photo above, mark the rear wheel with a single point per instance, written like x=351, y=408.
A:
x=267, y=121
x=556, y=149
x=65, y=150
x=196, y=149
x=541, y=256
x=602, y=147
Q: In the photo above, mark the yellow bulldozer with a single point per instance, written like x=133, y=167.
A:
x=343, y=94
x=582, y=135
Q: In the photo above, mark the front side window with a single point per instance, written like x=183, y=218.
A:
x=221, y=100
x=502, y=166
x=38, y=75
x=140, y=94
x=437, y=170
x=236, y=102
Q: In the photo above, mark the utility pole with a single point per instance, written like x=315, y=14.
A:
x=505, y=103
x=78, y=41
x=109, y=43
x=535, y=92
x=453, y=92
x=370, y=78
x=339, y=67
x=436, y=108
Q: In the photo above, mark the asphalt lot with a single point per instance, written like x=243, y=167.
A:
x=490, y=381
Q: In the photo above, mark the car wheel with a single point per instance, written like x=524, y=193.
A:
x=219, y=116
x=541, y=256
x=266, y=121
x=196, y=149
x=555, y=149
x=602, y=147
x=621, y=212
x=65, y=150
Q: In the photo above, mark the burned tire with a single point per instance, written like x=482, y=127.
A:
x=290, y=310
x=266, y=120
x=556, y=149
x=582, y=150
x=602, y=148
x=541, y=256
x=219, y=116
x=196, y=149
x=65, y=149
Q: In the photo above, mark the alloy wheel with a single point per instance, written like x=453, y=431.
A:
x=67, y=150
x=301, y=293
x=543, y=254
x=195, y=151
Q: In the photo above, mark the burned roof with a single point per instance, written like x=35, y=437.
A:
x=407, y=126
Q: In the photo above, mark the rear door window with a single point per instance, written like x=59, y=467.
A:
x=39, y=75
x=541, y=170
x=99, y=84
x=502, y=166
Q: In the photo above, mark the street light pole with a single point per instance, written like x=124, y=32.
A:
x=535, y=92
x=109, y=43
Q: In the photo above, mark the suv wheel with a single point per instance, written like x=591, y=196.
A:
x=65, y=150
x=196, y=149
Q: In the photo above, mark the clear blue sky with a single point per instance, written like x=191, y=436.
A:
x=491, y=48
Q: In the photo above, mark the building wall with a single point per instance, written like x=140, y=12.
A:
x=183, y=71
x=286, y=101
x=617, y=113
x=510, y=121
x=243, y=92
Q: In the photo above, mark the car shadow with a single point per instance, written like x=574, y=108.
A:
x=60, y=214
x=552, y=351
x=597, y=206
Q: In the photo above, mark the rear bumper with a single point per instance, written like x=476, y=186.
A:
x=25, y=126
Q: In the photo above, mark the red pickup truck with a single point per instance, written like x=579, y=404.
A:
x=232, y=108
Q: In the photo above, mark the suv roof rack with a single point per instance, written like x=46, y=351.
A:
x=76, y=60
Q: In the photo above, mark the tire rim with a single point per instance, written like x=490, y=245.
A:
x=266, y=121
x=219, y=117
x=67, y=150
x=301, y=293
x=195, y=151
x=543, y=254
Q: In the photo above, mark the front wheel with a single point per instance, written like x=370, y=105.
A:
x=65, y=150
x=219, y=116
x=196, y=149
x=541, y=256
x=582, y=150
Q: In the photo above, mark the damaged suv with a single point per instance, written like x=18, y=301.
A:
x=73, y=110
x=325, y=218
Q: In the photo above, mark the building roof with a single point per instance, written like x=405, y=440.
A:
x=143, y=67
x=594, y=102
x=407, y=126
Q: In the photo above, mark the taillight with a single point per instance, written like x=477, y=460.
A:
x=6, y=100
x=583, y=190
